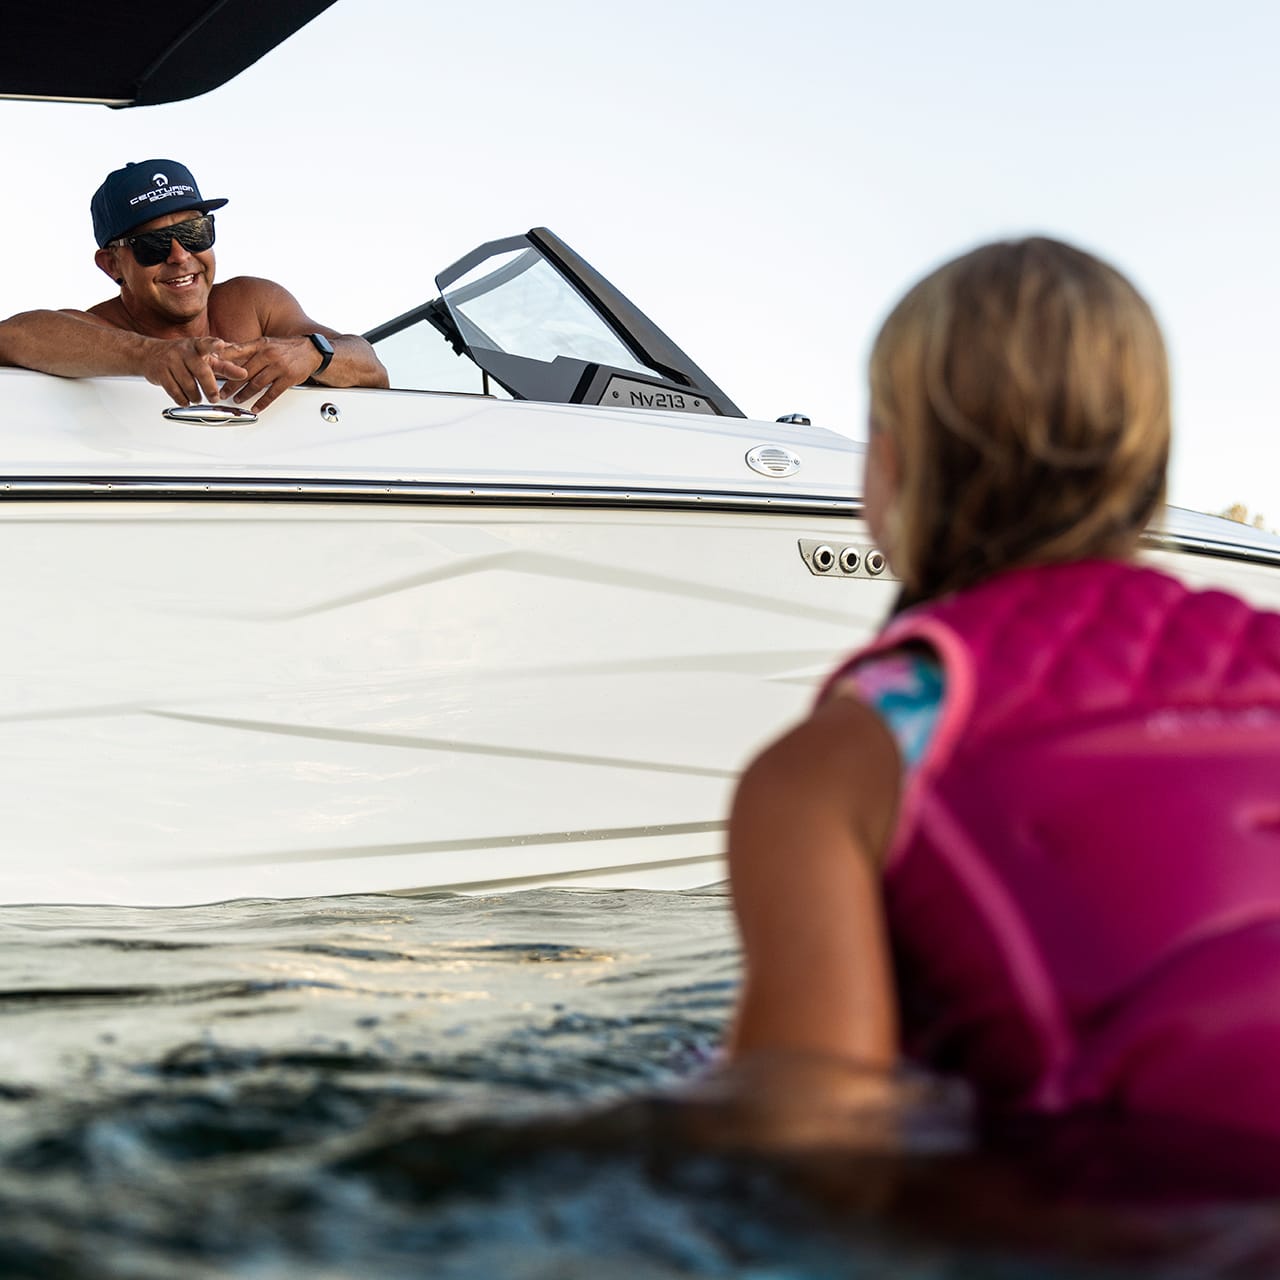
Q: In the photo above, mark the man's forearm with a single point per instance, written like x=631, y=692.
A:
x=61, y=342
x=354, y=364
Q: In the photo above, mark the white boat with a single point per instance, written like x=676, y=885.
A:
x=396, y=640
x=517, y=622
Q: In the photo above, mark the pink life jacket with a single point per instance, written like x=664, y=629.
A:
x=1083, y=890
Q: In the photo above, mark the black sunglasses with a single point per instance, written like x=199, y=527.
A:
x=151, y=248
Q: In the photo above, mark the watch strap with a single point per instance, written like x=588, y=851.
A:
x=325, y=348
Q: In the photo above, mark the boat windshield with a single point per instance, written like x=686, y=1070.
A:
x=518, y=304
x=539, y=323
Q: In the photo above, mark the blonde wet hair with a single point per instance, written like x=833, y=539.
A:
x=1025, y=390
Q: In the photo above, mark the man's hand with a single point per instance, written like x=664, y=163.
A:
x=272, y=365
x=189, y=368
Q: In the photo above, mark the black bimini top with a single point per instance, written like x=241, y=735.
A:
x=133, y=53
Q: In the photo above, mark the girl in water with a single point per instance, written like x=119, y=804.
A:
x=1031, y=834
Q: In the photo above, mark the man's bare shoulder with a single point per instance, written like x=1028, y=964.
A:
x=110, y=314
x=247, y=307
x=249, y=289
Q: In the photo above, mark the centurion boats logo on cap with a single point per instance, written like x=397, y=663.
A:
x=161, y=190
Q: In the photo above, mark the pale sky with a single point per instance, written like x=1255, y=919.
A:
x=763, y=179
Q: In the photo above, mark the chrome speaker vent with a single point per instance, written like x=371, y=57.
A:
x=853, y=560
x=773, y=460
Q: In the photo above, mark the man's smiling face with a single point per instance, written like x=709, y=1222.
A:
x=175, y=291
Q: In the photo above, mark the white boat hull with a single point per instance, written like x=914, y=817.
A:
x=217, y=702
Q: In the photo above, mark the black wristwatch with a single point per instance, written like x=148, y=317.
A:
x=325, y=348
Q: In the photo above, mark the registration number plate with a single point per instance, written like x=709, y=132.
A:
x=627, y=393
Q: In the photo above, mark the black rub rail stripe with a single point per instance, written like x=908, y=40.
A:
x=161, y=488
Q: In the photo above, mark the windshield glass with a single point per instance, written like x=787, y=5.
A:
x=417, y=358
x=517, y=303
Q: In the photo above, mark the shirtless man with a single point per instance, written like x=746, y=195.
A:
x=171, y=323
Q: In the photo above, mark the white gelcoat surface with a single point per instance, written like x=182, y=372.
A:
x=215, y=699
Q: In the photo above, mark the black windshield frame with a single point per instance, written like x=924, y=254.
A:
x=661, y=369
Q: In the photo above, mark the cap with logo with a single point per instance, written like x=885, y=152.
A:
x=139, y=192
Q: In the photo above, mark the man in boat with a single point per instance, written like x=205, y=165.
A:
x=244, y=339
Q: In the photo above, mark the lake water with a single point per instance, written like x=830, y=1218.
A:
x=463, y=1087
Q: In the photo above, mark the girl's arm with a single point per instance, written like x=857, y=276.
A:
x=811, y=820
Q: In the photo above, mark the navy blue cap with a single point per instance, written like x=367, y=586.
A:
x=139, y=192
